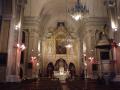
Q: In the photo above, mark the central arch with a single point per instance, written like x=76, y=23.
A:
x=61, y=63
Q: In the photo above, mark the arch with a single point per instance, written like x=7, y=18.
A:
x=50, y=69
x=72, y=69
x=61, y=63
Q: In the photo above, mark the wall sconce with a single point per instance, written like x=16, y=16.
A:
x=18, y=26
x=91, y=59
x=39, y=54
x=114, y=26
x=38, y=64
x=85, y=64
x=22, y=46
x=84, y=55
x=33, y=58
x=119, y=44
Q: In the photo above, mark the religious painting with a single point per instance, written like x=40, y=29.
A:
x=60, y=48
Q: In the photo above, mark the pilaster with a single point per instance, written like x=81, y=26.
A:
x=33, y=52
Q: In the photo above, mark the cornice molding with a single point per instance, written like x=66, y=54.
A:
x=92, y=24
x=96, y=21
x=31, y=23
x=31, y=20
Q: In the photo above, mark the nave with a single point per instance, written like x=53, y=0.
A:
x=45, y=83
x=48, y=38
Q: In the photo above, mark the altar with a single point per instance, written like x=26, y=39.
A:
x=61, y=74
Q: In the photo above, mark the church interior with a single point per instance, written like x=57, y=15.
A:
x=60, y=44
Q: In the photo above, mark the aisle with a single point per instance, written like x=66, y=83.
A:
x=65, y=87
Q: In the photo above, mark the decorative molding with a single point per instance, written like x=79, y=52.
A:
x=95, y=21
x=31, y=23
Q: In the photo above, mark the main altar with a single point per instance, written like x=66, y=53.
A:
x=62, y=75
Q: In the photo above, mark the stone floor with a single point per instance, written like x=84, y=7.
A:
x=54, y=84
x=65, y=87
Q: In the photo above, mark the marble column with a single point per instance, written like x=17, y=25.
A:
x=81, y=55
x=40, y=57
x=12, y=74
x=33, y=52
x=14, y=52
x=36, y=52
x=25, y=54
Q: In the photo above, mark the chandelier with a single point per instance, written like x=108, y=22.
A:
x=78, y=11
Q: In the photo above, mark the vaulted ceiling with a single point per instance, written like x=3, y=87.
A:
x=58, y=7
x=48, y=12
